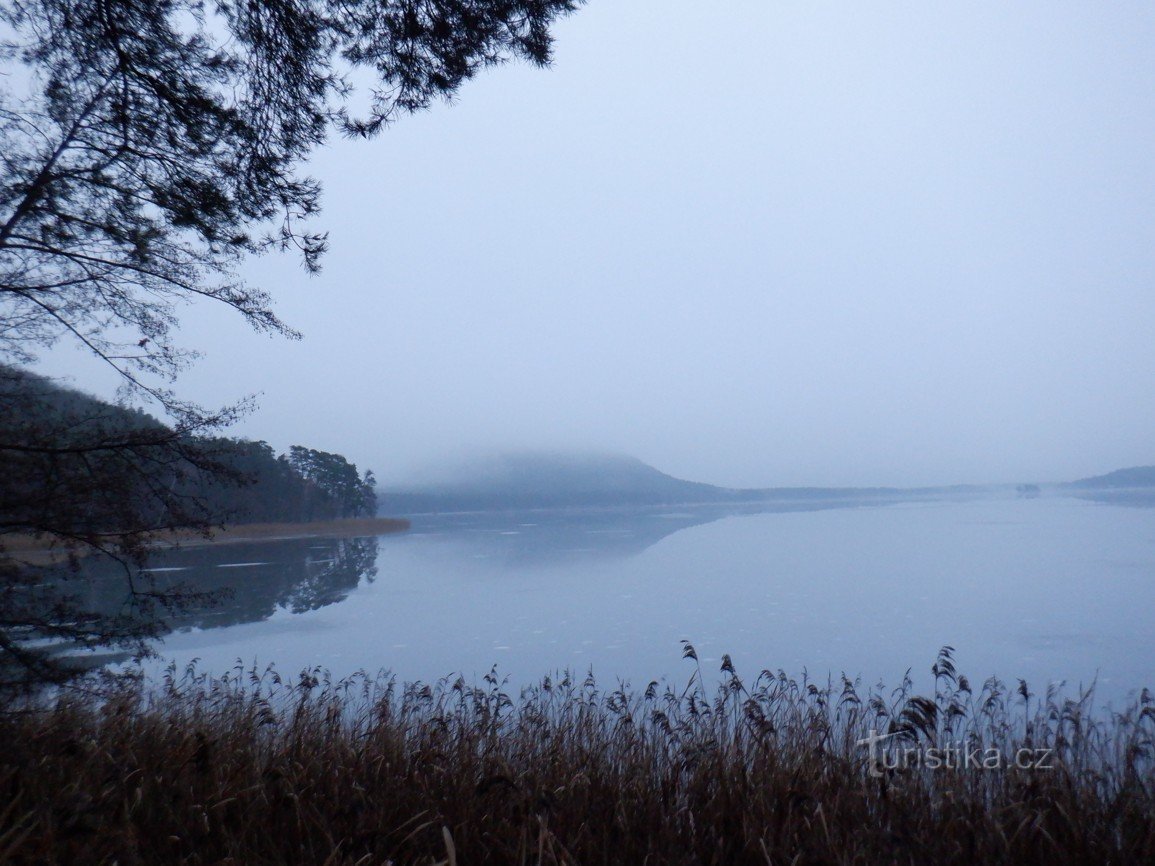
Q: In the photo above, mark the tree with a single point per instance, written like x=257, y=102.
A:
x=153, y=145
x=93, y=477
x=336, y=480
x=146, y=148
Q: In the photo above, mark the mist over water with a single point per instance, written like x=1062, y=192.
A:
x=777, y=244
x=786, y=348
x=1044, y=589
x=773, y=245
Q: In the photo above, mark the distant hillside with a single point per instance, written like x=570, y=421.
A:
x=546, y=480
x=1136, y=476
x=541, y=480
x=30, y=401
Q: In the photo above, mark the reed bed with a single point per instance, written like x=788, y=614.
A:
x=250, y=768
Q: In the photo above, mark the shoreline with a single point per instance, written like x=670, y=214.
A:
x=347, y=527
x=37, y=551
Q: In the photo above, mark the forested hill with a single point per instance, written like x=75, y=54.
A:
x=103, y=454
x=545, y=480
x=531, y=480
x=1134, y=477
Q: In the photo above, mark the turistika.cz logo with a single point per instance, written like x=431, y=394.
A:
x=886, y=756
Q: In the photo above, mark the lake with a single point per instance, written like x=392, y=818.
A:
x=1045, y=589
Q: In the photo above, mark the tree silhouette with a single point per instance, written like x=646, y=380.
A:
x=147, y=147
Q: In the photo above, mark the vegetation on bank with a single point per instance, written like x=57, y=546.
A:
x=81, y=476
x=33, y=551
x=345, y=527
x=149, y=149
x=249, y=768
x=84, y=480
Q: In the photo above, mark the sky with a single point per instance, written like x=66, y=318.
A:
x=751, y=243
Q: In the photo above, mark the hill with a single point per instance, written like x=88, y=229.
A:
x=1134, y=477
x=546, y=480
x=549, y=480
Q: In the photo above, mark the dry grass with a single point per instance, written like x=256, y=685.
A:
x=348, y=527
x=249, y=769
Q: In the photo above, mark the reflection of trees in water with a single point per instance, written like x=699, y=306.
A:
x=353, y=559
x=235, y=583
x=298, y=575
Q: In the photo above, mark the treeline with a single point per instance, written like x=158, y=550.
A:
x=113, y=468
x=300, y=486
x=86, y=481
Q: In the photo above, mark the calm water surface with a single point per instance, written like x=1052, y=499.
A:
x=1046, y=589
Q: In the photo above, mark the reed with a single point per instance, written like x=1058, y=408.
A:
x=252, y=768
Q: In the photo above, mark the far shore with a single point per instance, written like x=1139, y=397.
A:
x=41, y=551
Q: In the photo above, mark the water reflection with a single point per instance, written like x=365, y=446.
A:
x=1044, y=588
x=234, y=583
x=1130, y=498
x=540, y=539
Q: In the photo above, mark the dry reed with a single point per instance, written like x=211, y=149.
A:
x=249, y=768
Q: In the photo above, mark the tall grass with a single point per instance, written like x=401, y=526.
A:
x=249, y=768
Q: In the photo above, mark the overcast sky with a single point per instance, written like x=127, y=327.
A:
x=752, y=243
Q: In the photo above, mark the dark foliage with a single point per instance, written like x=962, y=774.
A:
x=332, y=483
x=148, y=146
x=112, y=481
x=146, y=149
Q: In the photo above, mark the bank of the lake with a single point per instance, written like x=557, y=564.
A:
x=350, y=527
x=42, y=551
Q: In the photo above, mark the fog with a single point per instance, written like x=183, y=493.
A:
x=750, y=243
